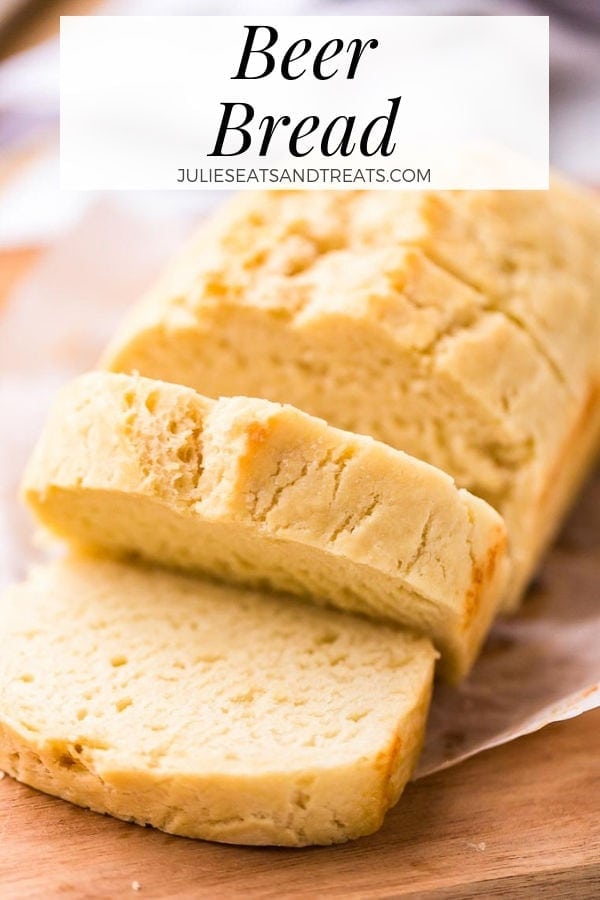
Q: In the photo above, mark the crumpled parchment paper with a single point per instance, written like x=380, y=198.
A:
x=538, y=667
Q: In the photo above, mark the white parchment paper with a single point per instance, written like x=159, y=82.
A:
x=538, y=667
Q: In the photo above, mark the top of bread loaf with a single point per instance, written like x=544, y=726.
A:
x=258, y=492
x=462, y=327
x=207, y=710
x=528, y=255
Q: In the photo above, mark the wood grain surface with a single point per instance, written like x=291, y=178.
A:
x=521, y=821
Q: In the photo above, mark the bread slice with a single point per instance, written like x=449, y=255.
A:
x=461, y=327
x=206, y=710
x=263, y=494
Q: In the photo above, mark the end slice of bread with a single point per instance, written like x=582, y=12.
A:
x=206, y=710
x=262, y=494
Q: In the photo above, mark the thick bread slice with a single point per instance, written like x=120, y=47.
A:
x=463, y=328
x=263, y=494
x=206, y=710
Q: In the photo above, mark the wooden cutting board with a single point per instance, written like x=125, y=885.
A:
x=521, y=821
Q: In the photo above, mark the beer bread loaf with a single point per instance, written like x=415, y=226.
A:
x=461, y=327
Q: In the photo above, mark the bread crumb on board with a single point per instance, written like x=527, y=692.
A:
x=135, y=886
x=480, y=846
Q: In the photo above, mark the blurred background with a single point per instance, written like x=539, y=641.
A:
x=33, y=212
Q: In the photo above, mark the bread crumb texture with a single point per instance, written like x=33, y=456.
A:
x=206, y=710
x=265, y=495
x=461, y=327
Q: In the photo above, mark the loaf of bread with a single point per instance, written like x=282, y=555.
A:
x=262, y=494
x=206, y=710
x=461, y=327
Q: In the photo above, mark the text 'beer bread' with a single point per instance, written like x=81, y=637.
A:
x=206, y=710
x=461, y=327
x=265, y=495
